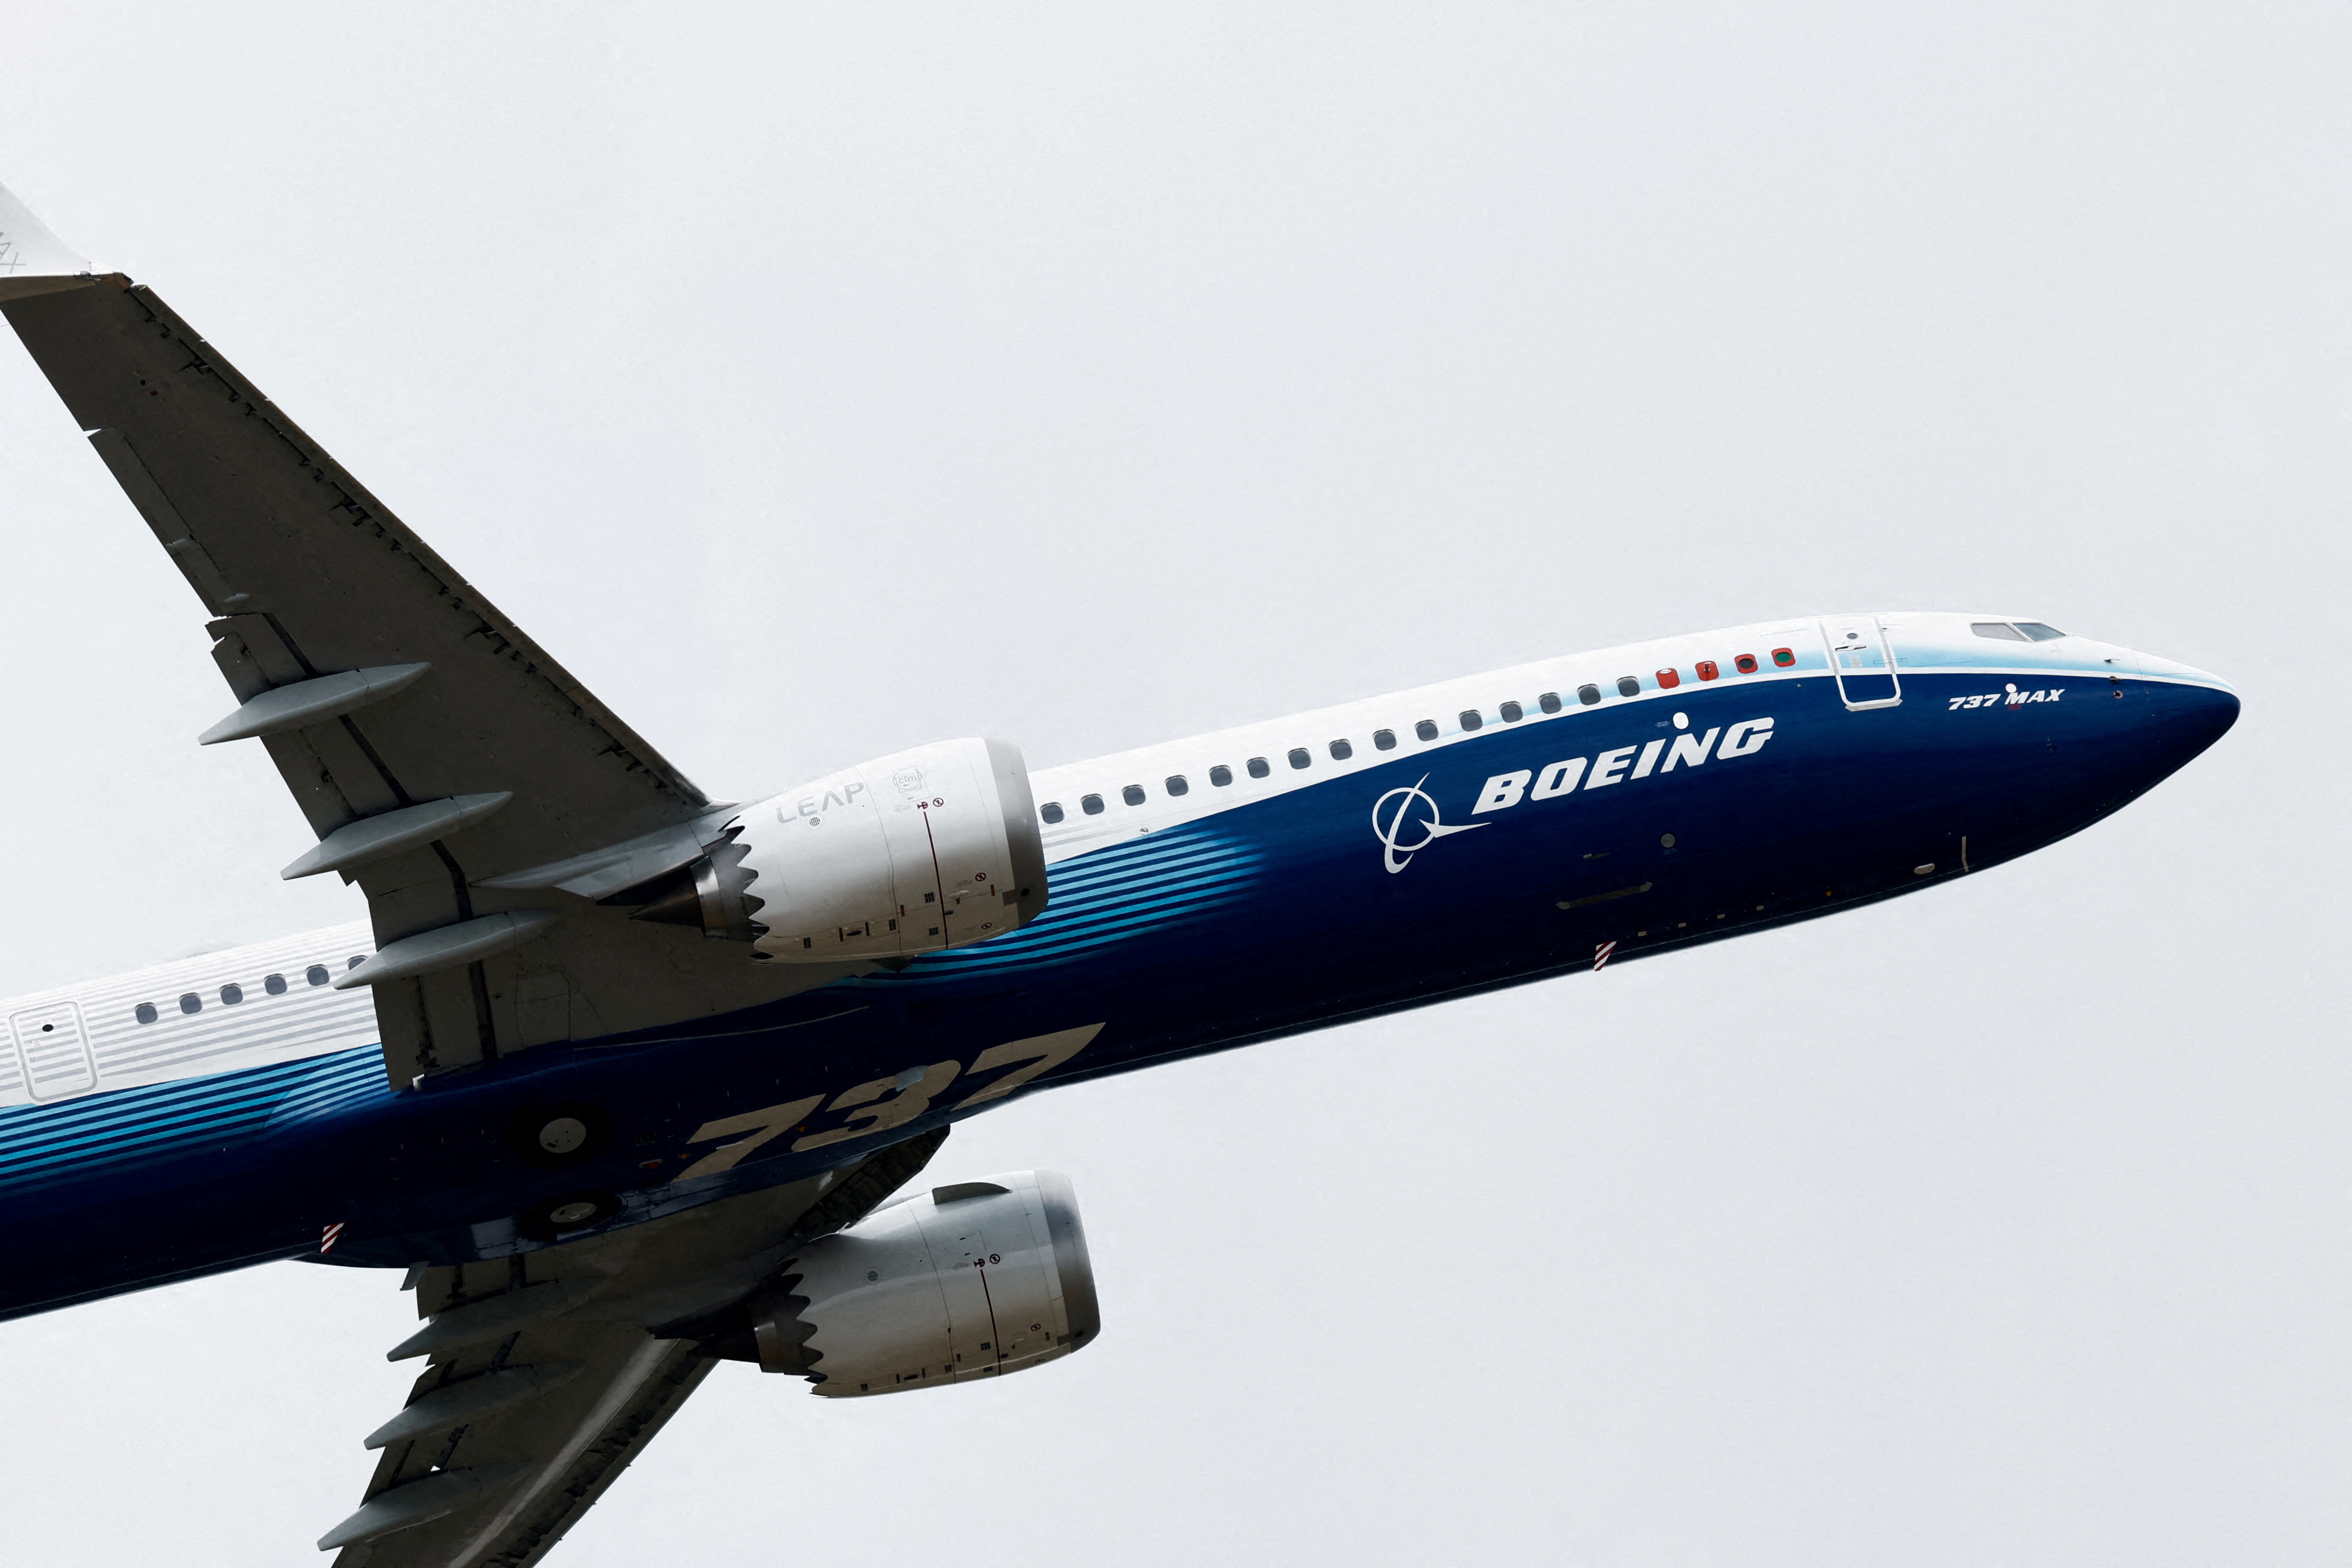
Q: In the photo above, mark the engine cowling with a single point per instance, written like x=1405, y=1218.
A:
x=971, y=1280
x=910, y=853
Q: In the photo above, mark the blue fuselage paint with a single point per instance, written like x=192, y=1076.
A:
x=1332, y=900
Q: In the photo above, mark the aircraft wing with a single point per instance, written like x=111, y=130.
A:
x=546, y=1374
x=432, y=745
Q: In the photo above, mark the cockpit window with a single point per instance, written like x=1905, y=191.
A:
x=2000, y=629
x=2039, y=631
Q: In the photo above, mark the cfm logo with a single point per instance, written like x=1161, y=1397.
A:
x=1407, y=820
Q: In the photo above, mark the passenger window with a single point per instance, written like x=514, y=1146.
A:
x=354, y=961
x=315, y=974
x=1052, y=811
x=1341, y=750
x=2039, y=631
x=1221, y=775
x=1469, y=719
x=1091, y=804
x=1177, y=786
x=1669, y=679
x=1513, y=713
x=1629, y=686
x=1548, y=702
x=192, y=1003
x=1258, y=769
x=1588, y=695
x=273, y=984
x=1999, y=631
x=1784, y=657
x=232, y=994
x=1708, y=670
x=1745, y=663
x=144, y=1012
x=1132, y=794
x=1384, y=739
x=1300, y=757
x=1426, y=729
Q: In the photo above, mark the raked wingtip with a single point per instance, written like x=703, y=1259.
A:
x=33, y=260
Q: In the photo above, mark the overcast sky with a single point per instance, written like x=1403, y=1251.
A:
x=816, y=382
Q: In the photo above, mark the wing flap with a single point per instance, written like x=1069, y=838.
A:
x=534, y=1464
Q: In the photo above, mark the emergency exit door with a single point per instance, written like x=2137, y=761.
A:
x=54, y=1051
x=1862, y=658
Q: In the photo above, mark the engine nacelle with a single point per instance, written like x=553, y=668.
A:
x=910, y=853
x=972, y=1281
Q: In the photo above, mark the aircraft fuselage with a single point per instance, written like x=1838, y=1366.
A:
x=1205, y=893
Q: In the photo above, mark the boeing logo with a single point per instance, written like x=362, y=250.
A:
x=1396, y=855
x=1416, y=809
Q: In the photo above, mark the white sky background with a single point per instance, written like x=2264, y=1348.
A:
x=818, y=382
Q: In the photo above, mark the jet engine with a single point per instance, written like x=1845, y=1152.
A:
x=913, y=852
x=971, y=1280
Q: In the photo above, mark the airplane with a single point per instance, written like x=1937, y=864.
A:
x=629, y=1081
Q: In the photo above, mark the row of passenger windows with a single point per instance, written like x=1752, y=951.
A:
x=232, y=993
x=1470, y=719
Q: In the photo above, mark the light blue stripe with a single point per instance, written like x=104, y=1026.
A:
x=42, y=1144
x=1108, y=898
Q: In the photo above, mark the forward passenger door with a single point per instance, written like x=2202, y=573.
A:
x=1862, y=658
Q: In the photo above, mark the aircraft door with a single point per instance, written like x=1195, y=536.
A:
x=1862, y=658
x=53, y=1050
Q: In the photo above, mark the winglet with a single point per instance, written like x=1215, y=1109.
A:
x=32, y=259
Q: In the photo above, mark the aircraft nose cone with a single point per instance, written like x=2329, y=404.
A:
x=2191, y=709
x=2203, y=714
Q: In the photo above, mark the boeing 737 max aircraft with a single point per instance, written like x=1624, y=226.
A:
x=626, y=1077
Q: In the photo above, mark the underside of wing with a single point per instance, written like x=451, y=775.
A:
x=548, y=1373
x=309, y=575
x=436, y=751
